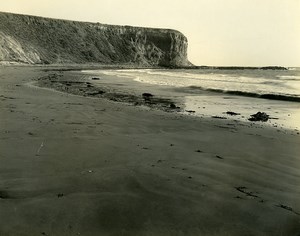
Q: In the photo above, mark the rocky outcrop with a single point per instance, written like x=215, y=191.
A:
x=38, y=40
x=12, y=50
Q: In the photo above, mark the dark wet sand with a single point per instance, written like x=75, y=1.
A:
x=74, y=165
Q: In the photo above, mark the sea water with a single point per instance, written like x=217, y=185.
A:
x=276, y=92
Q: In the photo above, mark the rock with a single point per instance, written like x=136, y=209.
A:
x=95, y=93
x=259, y=116
x=219, y=117
x=95, y=78
x=173, y=106
x=232, y=113
x=190, y=111
x=147, y=96
x=4, y=195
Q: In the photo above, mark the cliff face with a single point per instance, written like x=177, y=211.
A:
x=38, y=40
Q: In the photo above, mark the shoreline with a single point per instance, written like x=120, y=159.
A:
x=203, y=103
x=97, y=66
x=76, y=165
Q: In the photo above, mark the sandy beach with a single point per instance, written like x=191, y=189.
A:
x=96, y=165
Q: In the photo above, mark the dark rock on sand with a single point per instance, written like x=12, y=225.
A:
x=95, y=93
x=288, y=208
x=232, y=113
x=259, y=116
x=219, y=117
x=190, y=111
x=147, y=96
x=173, y=106
x=4, y=195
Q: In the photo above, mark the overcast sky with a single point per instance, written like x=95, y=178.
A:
x=220, y=32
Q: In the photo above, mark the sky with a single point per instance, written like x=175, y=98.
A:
x=219, y=32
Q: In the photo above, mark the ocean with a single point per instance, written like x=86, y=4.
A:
x=276, y=92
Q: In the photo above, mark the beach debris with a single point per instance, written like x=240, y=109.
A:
x=30, y=133
x=5, y=97
x=147, y=96
x=284, y=207
x=190, y=111
x=259, y=116
x=238, y=197
x=45, y=234
x=38, y=151
x=288, y=208
x=95, y=93
x=231, y=113
x=219, y=117
x=87, y=171
x=198, y=150
x=3, y=195
x=190, y=177
x=72, y=103
x=60, y=195
x=95, y=78
x=219, y=157
x=245, y=191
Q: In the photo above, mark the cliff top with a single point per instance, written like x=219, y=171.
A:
x=41, y=40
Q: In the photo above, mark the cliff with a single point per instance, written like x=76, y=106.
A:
x=38, y=40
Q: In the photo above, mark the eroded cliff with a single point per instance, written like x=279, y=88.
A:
x=38, y=40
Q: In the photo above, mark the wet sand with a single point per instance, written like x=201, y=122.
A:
x=75, y=165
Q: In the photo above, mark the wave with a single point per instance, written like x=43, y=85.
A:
x=289, y=77
x=270, y=96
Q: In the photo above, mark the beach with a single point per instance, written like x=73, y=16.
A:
x=104, y=160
